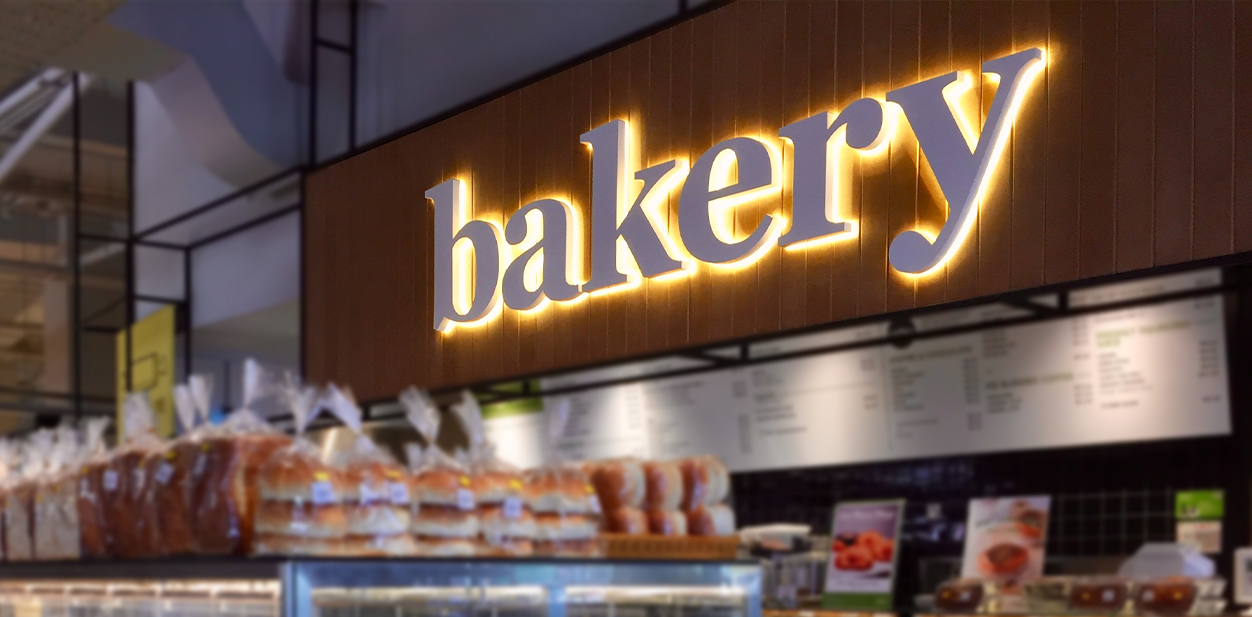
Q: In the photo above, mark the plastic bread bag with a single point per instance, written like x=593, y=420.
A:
x=300, y=509
x=506, y=524
x=125, y=483
x=56, y=500
x=224, y=477
x=10, y=461
x=95, y=536
x=567, y=511
x=171, y=470
x=376, y=488
x=19, y=501
x=444, y=514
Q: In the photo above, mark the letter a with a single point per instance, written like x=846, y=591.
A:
x=960, y=172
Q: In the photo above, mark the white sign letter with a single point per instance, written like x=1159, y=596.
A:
x=458, y=244
x=712, y=191
x=527, y=284
x=961, y=173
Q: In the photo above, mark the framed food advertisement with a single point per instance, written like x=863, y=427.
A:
x=862, y=569
x=1005, y=539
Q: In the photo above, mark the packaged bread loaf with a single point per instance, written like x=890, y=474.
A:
x=224, y=475
x=444, y=514
x=10, y=463
x=56, y=500
x=667, y=523
x=375, y=488
x=664, y=480
x=619, y=483
x=567, y=511
x=705, y=481
x=95, y=535
x=505, y=522
x=126, y=481
x=713, y=520
x=171, y=472
x=19, y=500
x=300, y=494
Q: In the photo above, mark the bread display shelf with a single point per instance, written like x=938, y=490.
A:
x=618, y=546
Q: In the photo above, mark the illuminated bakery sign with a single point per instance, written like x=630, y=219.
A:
x=537, y=257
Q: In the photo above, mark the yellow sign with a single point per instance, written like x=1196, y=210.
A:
x=151, y=366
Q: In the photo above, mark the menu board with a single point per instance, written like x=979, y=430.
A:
x=1141, y=373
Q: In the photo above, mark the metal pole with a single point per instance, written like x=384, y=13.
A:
x=354, y=7
x=313, y=10
x=75, y=251
x=131, y=142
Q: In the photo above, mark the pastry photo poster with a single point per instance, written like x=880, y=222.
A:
x=862, y=570
x=1005, y=539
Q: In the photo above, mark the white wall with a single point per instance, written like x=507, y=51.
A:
x=247, y=272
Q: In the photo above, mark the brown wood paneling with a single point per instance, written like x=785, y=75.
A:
x=1129, y=154
x=1097, y=201
x=1136, y=133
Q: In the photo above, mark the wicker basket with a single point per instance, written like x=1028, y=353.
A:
x=619, y=546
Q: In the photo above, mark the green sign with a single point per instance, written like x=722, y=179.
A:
x=1200, y=505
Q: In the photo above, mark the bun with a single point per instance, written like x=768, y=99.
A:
x=495, y=486
x=172, y=496
x=301, y=519
x=440, y=486
x=562, y=490
x=664, y=481
x=365, y=481
x=377, y=519
x=667, y=523
x=505, y=547
x=619, y=484
x=705, y=481
x=224, y=480
x=267, y=544
x=568, y=548
x=629, y=521
x=293, y=475
x=92, y=530
x=399, y=545
x=550, y=526
x=445, y=547
x=494, y=524
x=717, y=520
x=445, y=522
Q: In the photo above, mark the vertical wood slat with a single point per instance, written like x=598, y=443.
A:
x=1136, y=133
x=1097, y=200
x=1172, y=220
x=1100, y=181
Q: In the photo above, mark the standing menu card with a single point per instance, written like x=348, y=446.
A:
x=1005, y=539
x=862, y=570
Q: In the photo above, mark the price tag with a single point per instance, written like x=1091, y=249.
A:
x=512, y=508
x=110, y=480
x=138, y=477
x=164, y=473
x=323, y=493
x=201, y=462
x=399, y=493
x=368, y=495
x=594, y=503
x=464, y=499
x=82, y=488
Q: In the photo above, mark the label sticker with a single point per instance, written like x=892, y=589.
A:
x=138, y=477
x=323, y=493
x=399, y=493
x=465, y=481
x=594, y=502
x=393, y=474
x=512, y=508
x=164, y=473
x=464, y=499
x=110, y=480
x=201, y=461
x=321, y=476
x=515, y=484
x=82, y=488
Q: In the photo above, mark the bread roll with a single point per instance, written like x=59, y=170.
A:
x=627, y=521
x=497, y=485
x=500, y=522
x=398, y=545
x=619, y=483
x=667, y=523
x=715, y=520
x=377, y=519
x=445, y=547
x=297, y=476
x=561, y=490
x=304, y=519
x=705, y=481
x=443, y=487
x=444, y=522
x=553, y=526
x=173, y=494
x=664, y=485
x=268, y=544
x=505, y=547
x=568, y=548
x=365, y=481
x=225, y=478
x=92, y=528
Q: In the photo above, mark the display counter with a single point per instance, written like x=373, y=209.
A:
x=360, y=588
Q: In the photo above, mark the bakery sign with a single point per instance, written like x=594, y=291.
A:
x=537, y=257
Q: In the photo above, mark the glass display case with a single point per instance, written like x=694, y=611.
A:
x=383, y=588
